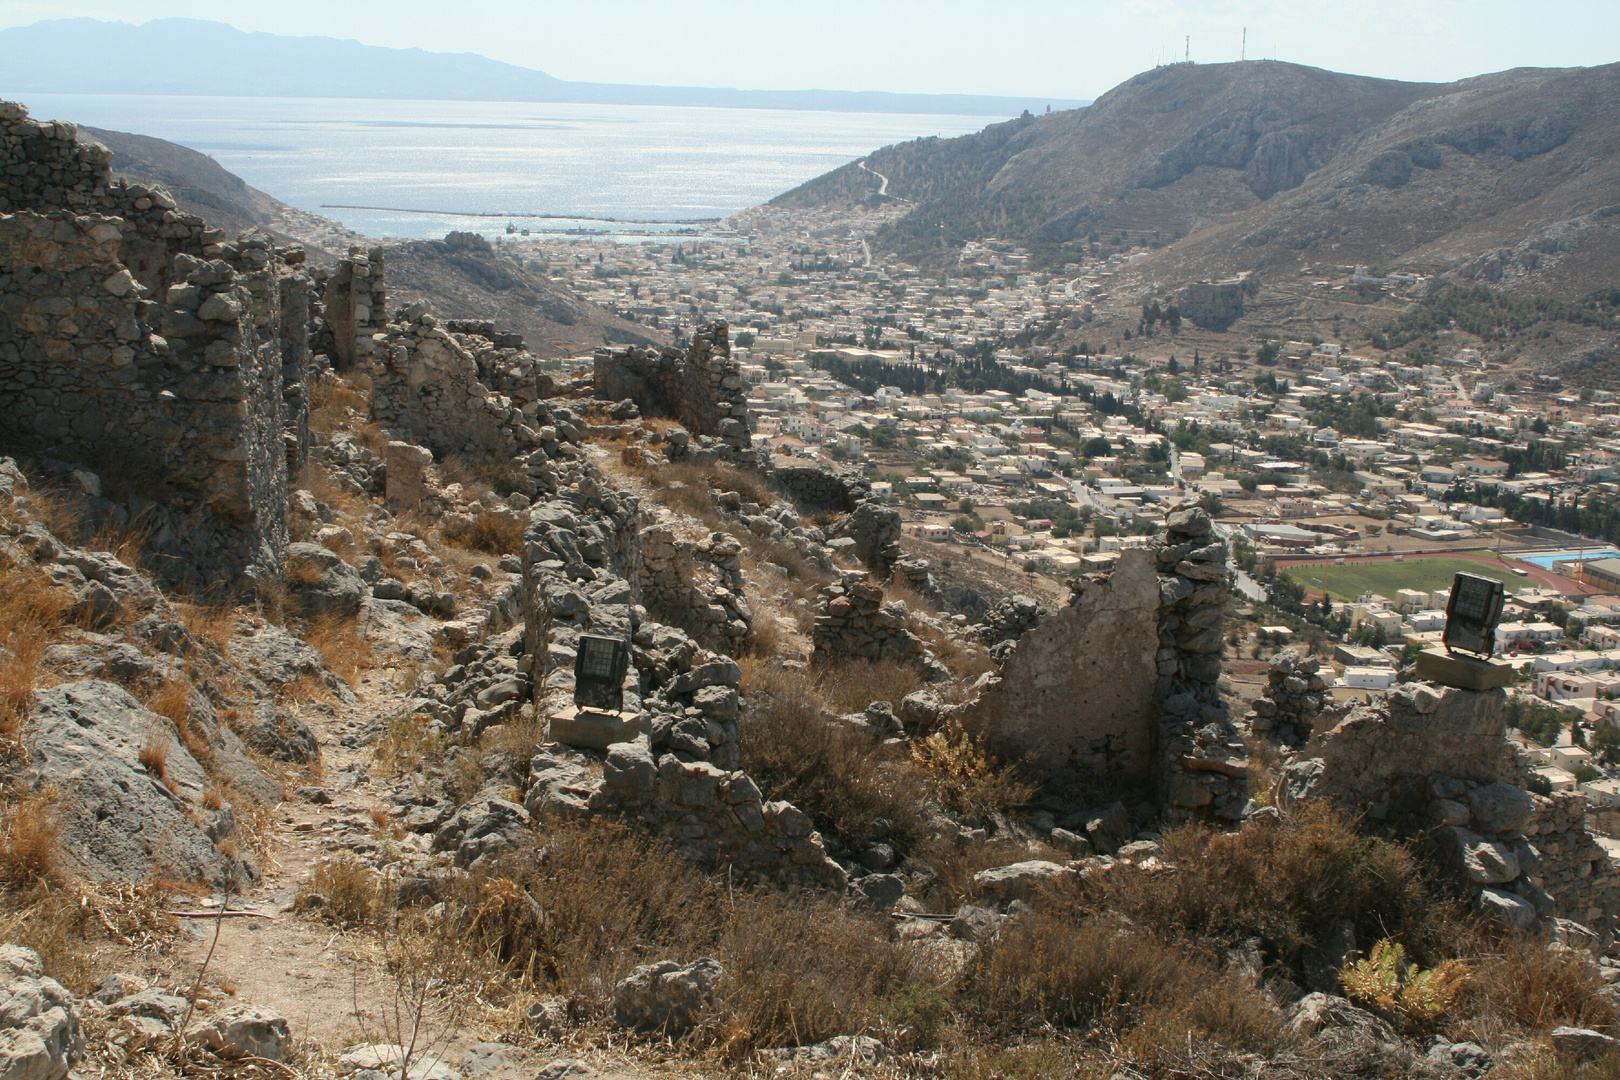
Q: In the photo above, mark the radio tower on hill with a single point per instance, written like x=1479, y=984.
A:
x=1243, y=50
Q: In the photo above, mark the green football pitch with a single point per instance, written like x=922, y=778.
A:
x=1350, y=581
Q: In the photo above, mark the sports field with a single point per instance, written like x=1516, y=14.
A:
x=1385, y=576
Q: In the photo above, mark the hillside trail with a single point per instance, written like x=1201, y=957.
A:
x=331, y=983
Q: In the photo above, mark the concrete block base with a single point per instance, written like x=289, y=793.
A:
x=1463, y=672
x=593, y=728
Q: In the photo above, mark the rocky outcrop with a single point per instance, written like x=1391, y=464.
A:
x=132, y=795
x=665, y=997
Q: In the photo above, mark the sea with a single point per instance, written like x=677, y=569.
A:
x=423, y=168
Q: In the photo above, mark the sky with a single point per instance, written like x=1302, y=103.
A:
x=1053, y=48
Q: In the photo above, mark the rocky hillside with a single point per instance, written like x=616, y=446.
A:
x=465, y=278
x=1274, y=166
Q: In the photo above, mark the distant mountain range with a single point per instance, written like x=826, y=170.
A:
x=196, y=57
x=1511, y=178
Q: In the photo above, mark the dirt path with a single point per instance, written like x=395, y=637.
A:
x=310, y=972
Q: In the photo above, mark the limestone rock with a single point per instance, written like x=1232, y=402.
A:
x=1512, y=911
x=665, y=996
x=39, y=1021
x=1021, y=880
x=242, y=1030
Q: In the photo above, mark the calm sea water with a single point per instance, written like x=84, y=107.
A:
x=474, y=157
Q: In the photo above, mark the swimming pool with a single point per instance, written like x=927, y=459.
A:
x=1546, y=559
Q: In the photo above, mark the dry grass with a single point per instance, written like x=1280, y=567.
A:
x=211, y=624
x=1045, y=971
x=305, y=574
x=154, y=758
x=1282, y=884
x=496, y=534
x=31, y=613
x=27, y=843
x=854, y=684
x=835, y=773
x=1518, y=984
x=480, y=474
x=406, y=743
x=346, y=651
x=799, y=971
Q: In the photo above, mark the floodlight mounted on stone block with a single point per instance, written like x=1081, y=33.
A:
x=1472, y=613
x=599, y=668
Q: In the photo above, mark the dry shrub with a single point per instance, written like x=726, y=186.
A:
x=612, y=896
x=351, y=892
x=967, y=776
x=1027, y=1061
x=799, y=971
x=31, y=613
x=1044, y=970
x=173, y=699
x=338, y=402
x=27, y=844
x=498, y=534
x=1520, y=985
x=1282, y=884
x=339, y=641
x=835, y=773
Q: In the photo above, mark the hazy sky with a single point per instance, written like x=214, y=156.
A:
x=1058, y=48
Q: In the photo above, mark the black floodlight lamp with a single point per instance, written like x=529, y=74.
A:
x=599, y=668
x=1472, y=613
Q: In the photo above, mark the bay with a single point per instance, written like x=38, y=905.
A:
x=640, y=162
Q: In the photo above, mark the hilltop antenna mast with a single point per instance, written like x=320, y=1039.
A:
x=1186, y=49
x=1243, y=50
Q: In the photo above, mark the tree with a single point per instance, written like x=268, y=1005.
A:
x=1606, y=743
x=1211, y=503
x=1268, y=353
x=1174, y=390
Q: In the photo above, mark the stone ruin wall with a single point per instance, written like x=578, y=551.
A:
x=1076, y=695
x=1119, y=686
x=701, y=387
x=135, y=340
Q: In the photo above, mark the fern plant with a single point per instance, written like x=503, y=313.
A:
x=1384, y=981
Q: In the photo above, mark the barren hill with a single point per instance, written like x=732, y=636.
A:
x=1275, y=166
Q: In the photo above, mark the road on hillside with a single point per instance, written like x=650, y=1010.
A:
x=883, y=188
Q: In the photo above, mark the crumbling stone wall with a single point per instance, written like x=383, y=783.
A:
x=716, y=818
x=701, y=387
x=1291, y=707
x=854, y=623
x=1075, y=696
x=696, y=585
x=1432, y=762
x=1203, y=765
x=354, y=306
x=133, y=339
x=428, y=390
x=1574, y=868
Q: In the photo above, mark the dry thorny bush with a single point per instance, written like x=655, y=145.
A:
x=840, y=775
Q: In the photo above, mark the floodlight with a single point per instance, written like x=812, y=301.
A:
x=1472, y=612
x=599, y=668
